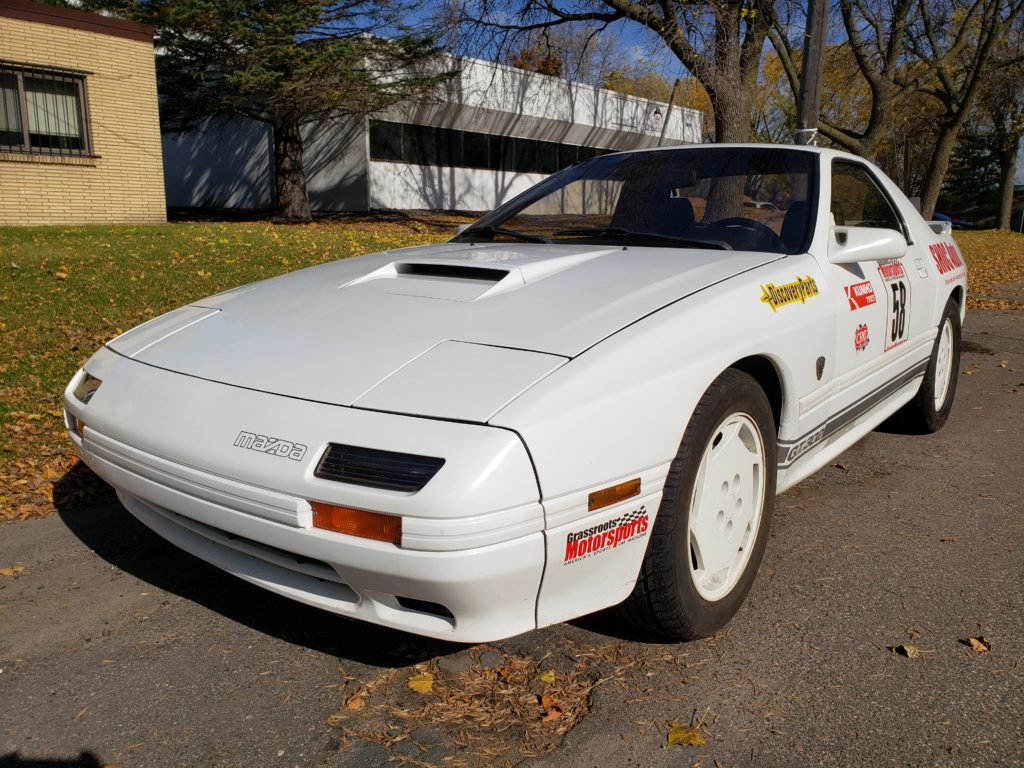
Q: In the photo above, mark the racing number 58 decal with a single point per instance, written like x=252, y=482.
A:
x=897, y=325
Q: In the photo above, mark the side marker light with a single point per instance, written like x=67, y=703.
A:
x=614, y=494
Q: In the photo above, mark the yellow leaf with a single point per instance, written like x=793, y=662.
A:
x=547, y=676
x=422, y=683
x=12, y=570
x=33, y=416
x=910, y=651
x=684, y=734
x=979, y=644
x=355, y=702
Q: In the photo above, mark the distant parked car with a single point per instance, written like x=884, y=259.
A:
x=955, y=223
x=591, y=395
x=761, y=205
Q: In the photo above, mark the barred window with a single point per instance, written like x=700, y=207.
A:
x=43, y=111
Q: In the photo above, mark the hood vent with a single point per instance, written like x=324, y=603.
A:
x=450, y=271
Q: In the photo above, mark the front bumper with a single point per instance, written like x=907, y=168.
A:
x=473, y=549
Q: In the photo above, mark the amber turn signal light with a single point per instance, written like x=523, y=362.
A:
x=357, y=522
x=614, y=494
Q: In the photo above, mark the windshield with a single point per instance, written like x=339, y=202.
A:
x=745, y=198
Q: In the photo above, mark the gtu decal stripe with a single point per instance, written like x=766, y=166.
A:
x=789, y=449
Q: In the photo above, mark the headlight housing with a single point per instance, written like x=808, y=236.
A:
x=86, y=387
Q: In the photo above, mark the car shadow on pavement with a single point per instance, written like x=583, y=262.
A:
x=116, y=536
x=15, y=760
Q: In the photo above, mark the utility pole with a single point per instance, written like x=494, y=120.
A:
x=809, y=97
x=668, y=114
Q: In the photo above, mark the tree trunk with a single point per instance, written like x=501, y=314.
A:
x=1007, y=172
x=732, y=118
x=937, y=167
x=289, y=173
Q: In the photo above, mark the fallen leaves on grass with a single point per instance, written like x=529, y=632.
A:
x=127, y=274
x=995, y=260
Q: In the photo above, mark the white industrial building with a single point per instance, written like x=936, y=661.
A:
x=490, y=133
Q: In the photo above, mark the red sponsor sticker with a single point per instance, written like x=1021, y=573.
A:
x=946, y=257
x=891, y=270
x=860, y=295
x=860, y=337
x=606, y=536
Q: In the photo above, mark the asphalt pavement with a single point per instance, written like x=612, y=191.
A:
x=118, y=649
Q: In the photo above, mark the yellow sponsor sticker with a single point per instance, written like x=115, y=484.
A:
x=801, y=290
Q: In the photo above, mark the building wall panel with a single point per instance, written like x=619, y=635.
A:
x=123, y=182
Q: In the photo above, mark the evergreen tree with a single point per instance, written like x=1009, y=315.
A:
x=282, y=62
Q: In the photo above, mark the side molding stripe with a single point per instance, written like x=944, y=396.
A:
x=791, y=450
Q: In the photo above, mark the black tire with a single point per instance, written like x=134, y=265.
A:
x=921, y=415
x=666, y=600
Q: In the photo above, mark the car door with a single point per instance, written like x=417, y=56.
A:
x=873, y=300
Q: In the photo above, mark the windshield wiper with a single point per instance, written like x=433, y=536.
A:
x=619, y=232
x=507, y=232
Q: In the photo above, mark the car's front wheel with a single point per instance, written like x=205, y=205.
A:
x=712, y=526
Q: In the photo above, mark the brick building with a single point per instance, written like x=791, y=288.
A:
x=79, y=129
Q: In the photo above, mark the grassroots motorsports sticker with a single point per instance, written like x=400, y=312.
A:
x=606, y=536
x=801, y=290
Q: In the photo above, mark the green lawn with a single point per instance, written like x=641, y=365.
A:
x=64, y=291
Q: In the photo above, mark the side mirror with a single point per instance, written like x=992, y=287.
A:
x=848, y=245
x=461, y=228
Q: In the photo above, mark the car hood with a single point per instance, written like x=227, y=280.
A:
x=434, y=316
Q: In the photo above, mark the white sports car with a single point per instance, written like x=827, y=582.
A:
x=589, y=397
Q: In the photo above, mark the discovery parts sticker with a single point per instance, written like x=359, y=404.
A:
x=605, y=537
x=801, y=290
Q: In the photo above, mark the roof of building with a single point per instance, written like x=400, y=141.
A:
x=72, y=18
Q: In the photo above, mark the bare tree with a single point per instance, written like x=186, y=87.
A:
x=720, y=43
x=588, y=54
x=953, y=41
x=1002, y=100
x=876, y=37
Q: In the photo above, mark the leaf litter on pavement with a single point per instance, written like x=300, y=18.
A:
x=497, y=707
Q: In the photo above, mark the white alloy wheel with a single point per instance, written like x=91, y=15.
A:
x=943, y=366
x=725, y=511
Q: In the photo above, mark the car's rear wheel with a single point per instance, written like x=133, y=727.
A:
x=930, y=408
x=715, y=513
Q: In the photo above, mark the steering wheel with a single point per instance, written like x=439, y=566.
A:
x=751, y=226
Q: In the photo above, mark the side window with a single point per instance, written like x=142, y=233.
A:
x=857, y=201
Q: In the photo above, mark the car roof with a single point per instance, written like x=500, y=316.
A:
x=825, y=151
